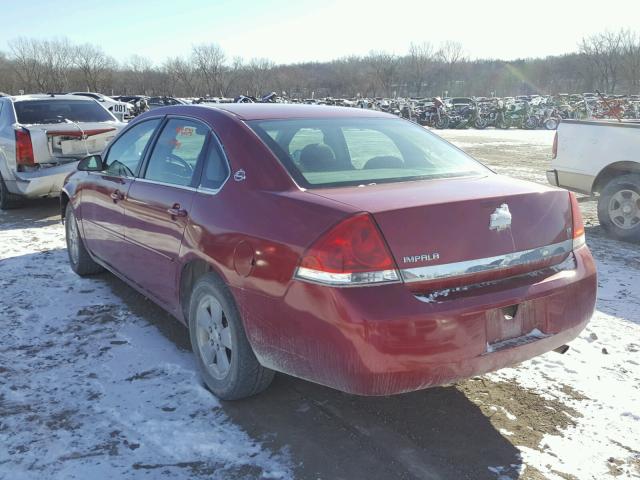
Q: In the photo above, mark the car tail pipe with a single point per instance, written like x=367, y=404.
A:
x=561, y=349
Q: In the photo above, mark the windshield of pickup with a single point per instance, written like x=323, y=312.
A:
x=359, y=151
x=55, y=110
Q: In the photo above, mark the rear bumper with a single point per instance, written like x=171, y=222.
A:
x=382, y=340
x=45, y=182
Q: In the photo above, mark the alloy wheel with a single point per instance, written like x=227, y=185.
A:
x=624, y=209
x=73, y=239
x=213, y=337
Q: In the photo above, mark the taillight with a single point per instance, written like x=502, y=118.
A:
x=554, y=149
x=577, y=224
x=24, y=148
x=351, y=253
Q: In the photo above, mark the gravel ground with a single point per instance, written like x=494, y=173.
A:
x=97, y=382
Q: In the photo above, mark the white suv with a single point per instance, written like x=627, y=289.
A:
x=42, y=137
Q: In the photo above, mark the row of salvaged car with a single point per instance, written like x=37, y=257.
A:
x=43, y=136
x=527, y=112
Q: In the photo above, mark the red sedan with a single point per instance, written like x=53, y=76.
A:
x=343, y=246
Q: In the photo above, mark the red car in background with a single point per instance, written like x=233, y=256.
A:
x=347, y=247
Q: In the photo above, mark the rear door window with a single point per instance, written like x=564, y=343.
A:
x=176, y=154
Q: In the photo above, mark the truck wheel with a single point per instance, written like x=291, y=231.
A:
x=79, y=258
x=226, y=360
x=8, y=200
x=619, y=207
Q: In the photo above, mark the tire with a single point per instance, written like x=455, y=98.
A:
x=442, y=123
x=79, y=258
x=480, y=123
x=551, y=123
x=531, y=123
x=225, y=358
x=619, y=207
x=8, y=200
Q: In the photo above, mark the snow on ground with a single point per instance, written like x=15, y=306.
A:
x=90, y=391
x=599, y=377
x=495, y=137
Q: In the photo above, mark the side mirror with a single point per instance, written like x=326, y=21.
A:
x=92, y=163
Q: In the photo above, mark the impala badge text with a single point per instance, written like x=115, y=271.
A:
x=425, y=257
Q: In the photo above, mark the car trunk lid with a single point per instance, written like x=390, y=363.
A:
x=59, y=142
x=459, y=231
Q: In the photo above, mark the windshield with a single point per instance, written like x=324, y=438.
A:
x=59, y=111
x=358, y=151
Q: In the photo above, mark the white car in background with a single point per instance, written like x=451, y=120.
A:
x=119, y=109
x=42, y=138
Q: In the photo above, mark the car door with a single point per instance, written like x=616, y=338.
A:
x=103, y=194
x=158, y=204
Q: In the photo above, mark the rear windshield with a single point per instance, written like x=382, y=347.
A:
x=59, y=111
x=358, y=151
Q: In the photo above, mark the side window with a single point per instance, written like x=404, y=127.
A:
x=371, y=149
x=126, y=153
x=177, y=151
x=215, y=169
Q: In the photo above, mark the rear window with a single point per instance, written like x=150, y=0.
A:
x=342, y=152
x=59, y=111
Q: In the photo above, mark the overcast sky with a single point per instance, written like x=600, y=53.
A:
x=302, y=30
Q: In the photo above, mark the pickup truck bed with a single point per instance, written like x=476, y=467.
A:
x=602, y=158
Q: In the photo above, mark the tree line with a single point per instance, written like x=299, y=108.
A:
x=608, y=61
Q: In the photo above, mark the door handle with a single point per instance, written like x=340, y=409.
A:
x=116, y=195
x=176, y=211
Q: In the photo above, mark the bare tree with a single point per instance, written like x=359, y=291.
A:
x=604, y=53
x=451, y=55
x=451, y=52
x=631, y=60
x=27, y=63
x=608, y=61
x=94, y=65
x=208, y=60
x=181, y=75
x=140, y=69
x=421, y=59
x=384, y=66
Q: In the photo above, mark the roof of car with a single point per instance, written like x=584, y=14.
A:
x=278, y=111
x=47, y=96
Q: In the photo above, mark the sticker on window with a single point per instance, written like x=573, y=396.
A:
x=185, y=131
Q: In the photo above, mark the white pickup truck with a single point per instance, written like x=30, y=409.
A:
x=602, y=158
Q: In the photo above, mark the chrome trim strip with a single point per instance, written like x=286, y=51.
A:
x=165, y=184
x=500, y=262
x=360, y=279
